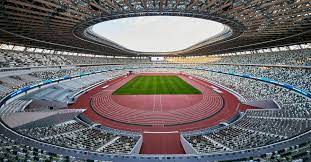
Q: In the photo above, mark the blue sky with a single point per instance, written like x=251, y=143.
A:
x=157, y=33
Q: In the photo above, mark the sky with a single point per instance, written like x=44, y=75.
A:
x=157, y=33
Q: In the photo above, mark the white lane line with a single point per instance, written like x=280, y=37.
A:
x=161, y=132
x=161, y=102
x=153, y=103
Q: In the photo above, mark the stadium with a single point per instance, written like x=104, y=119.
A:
x=219, y=81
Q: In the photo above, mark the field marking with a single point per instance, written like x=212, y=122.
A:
x=216, y=89
x=153, y=103
x=161, y=102
x=160, y=132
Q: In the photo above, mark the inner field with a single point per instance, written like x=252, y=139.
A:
x=144, y=85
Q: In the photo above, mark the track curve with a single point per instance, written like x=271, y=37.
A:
x=210, y=104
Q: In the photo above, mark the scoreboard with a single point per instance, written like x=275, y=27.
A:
x=157, y=59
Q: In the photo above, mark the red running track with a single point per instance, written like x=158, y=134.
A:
x=161, y=143
x=229, y=107
x=159, y=109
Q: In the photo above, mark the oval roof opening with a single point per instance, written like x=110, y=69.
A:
x=157, y=33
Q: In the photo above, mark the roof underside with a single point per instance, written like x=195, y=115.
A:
x=62, y=24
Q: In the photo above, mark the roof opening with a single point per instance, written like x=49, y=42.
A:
x=157, y=33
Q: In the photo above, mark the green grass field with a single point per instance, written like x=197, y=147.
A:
x=156, y=85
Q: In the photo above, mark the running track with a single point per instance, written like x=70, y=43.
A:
x=154, y=111
x=160, y=118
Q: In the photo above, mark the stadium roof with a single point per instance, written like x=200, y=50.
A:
x=65, y=24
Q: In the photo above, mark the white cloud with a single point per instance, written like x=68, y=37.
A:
x=157, y=33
